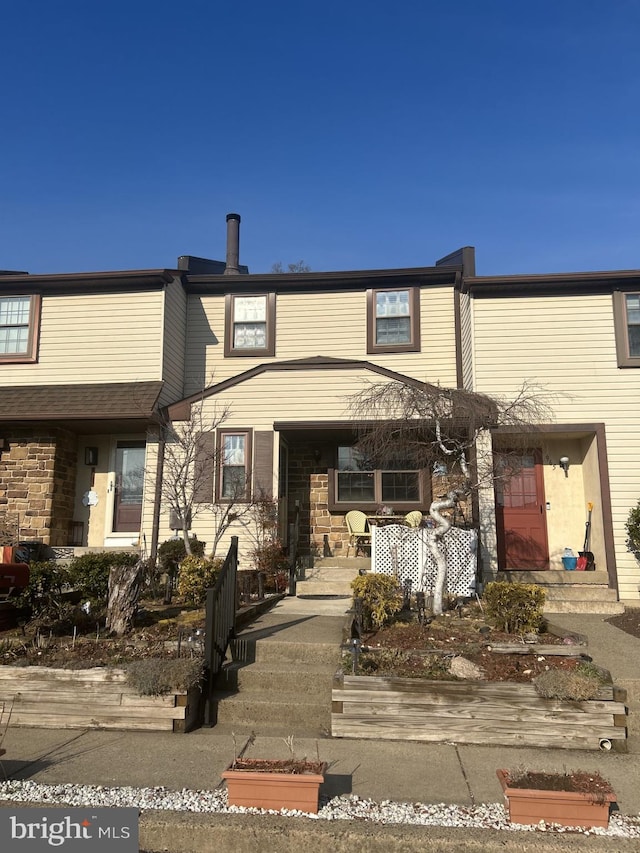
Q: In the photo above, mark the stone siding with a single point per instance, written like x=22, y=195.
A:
x=37, y=483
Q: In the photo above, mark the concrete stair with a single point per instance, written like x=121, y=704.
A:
x=275, y=685
x=571, y=592
x=331, y=576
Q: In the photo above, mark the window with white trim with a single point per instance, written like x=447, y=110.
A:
x=358, y=484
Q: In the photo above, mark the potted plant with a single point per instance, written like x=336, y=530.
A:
x=280, y=783
x=579, y=798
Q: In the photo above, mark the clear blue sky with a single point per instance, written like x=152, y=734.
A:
x=352, y=134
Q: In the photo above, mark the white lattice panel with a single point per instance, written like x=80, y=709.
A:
x=404, y=552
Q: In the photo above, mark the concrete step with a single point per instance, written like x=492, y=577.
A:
x=257, y=678
x=580, y=593
x=324, y=588
x=554, y=577
x=585, y=607
x=330, y=573
x=300, y=714
x=341, y=563
x=284, y=652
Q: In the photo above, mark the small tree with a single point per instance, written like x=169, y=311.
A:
x=632, y=526
x=298, y=266
x=434, y=426
x=191, y=459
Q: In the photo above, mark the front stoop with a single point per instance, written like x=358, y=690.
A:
x=571, y=592
x=331, y=576
x=278, y=688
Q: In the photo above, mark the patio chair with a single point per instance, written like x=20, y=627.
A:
x=359, y=533
x=413, y=518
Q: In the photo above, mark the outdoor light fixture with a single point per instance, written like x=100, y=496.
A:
x=564, y=464
x=91, y=456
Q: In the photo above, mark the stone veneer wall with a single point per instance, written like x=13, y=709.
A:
x=37, y=483
x=308, y=484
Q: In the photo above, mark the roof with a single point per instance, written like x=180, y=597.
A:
x=602, y=281
x=117, y=280
x=328, y=281
x=108, y=401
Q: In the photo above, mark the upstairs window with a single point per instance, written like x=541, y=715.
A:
x=393, y=321
x=19, y=317
x=626, y=312
x=250, y=324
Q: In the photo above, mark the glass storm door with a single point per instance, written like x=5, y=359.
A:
x=129, y=483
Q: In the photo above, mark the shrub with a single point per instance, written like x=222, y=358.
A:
x=633, y=528
x=172, y=552
x=381, y=598
x=195, y=576
x=43, y=596
x=579, y=684
x=270, y=558
x=157, y=676
x=89, y=574
x=514, y=607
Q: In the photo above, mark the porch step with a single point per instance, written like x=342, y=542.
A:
x=570, y=592
x=332, y=576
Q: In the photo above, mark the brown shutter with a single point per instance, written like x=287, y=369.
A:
x=204, y=468
x=263, y=463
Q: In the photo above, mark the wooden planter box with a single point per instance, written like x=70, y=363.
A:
x=500, y=713
x=568, y=808
x=262, y=789
x=96, y=698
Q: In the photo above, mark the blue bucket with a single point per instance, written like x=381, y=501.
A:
x=570, y=563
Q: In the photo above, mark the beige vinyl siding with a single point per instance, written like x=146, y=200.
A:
x=330, y=324
x=567, y=345
x=106, y=337
x=175, y=311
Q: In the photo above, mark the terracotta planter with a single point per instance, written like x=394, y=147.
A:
x=270, y=789
x=567, y=808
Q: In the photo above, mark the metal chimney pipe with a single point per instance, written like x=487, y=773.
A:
x=233, y=244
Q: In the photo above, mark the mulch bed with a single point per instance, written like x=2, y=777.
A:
x=425, y=646
x=629, y=621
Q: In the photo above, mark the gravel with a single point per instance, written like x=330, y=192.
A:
x=488, y=816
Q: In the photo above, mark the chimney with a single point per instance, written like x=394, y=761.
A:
x=233, y=244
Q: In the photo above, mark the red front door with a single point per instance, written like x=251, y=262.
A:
x=520, y=513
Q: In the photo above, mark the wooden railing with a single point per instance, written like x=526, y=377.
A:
x=219, y=626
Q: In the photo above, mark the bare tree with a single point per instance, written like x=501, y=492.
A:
x=429, y=426
x=298, y=266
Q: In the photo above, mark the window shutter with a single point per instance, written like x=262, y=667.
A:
x=263, y=463
x=204, y=468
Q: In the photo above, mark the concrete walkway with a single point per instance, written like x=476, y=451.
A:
x=379, y=770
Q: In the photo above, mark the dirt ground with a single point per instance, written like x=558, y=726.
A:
x=629, y=621
x=157, y=623
x=414, y=649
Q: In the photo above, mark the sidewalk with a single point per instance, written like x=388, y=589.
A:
x=378, y=770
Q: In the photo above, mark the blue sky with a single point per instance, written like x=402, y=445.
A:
x=355, y=134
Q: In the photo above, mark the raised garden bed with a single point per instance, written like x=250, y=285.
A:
x=95, y=698
x=403, y=689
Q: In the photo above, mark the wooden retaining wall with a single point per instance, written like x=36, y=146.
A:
x=507, y=714
x=97, y=698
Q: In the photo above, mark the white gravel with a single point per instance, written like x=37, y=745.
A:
x=487, y=816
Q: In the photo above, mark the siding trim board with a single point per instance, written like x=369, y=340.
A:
x=181, y=409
